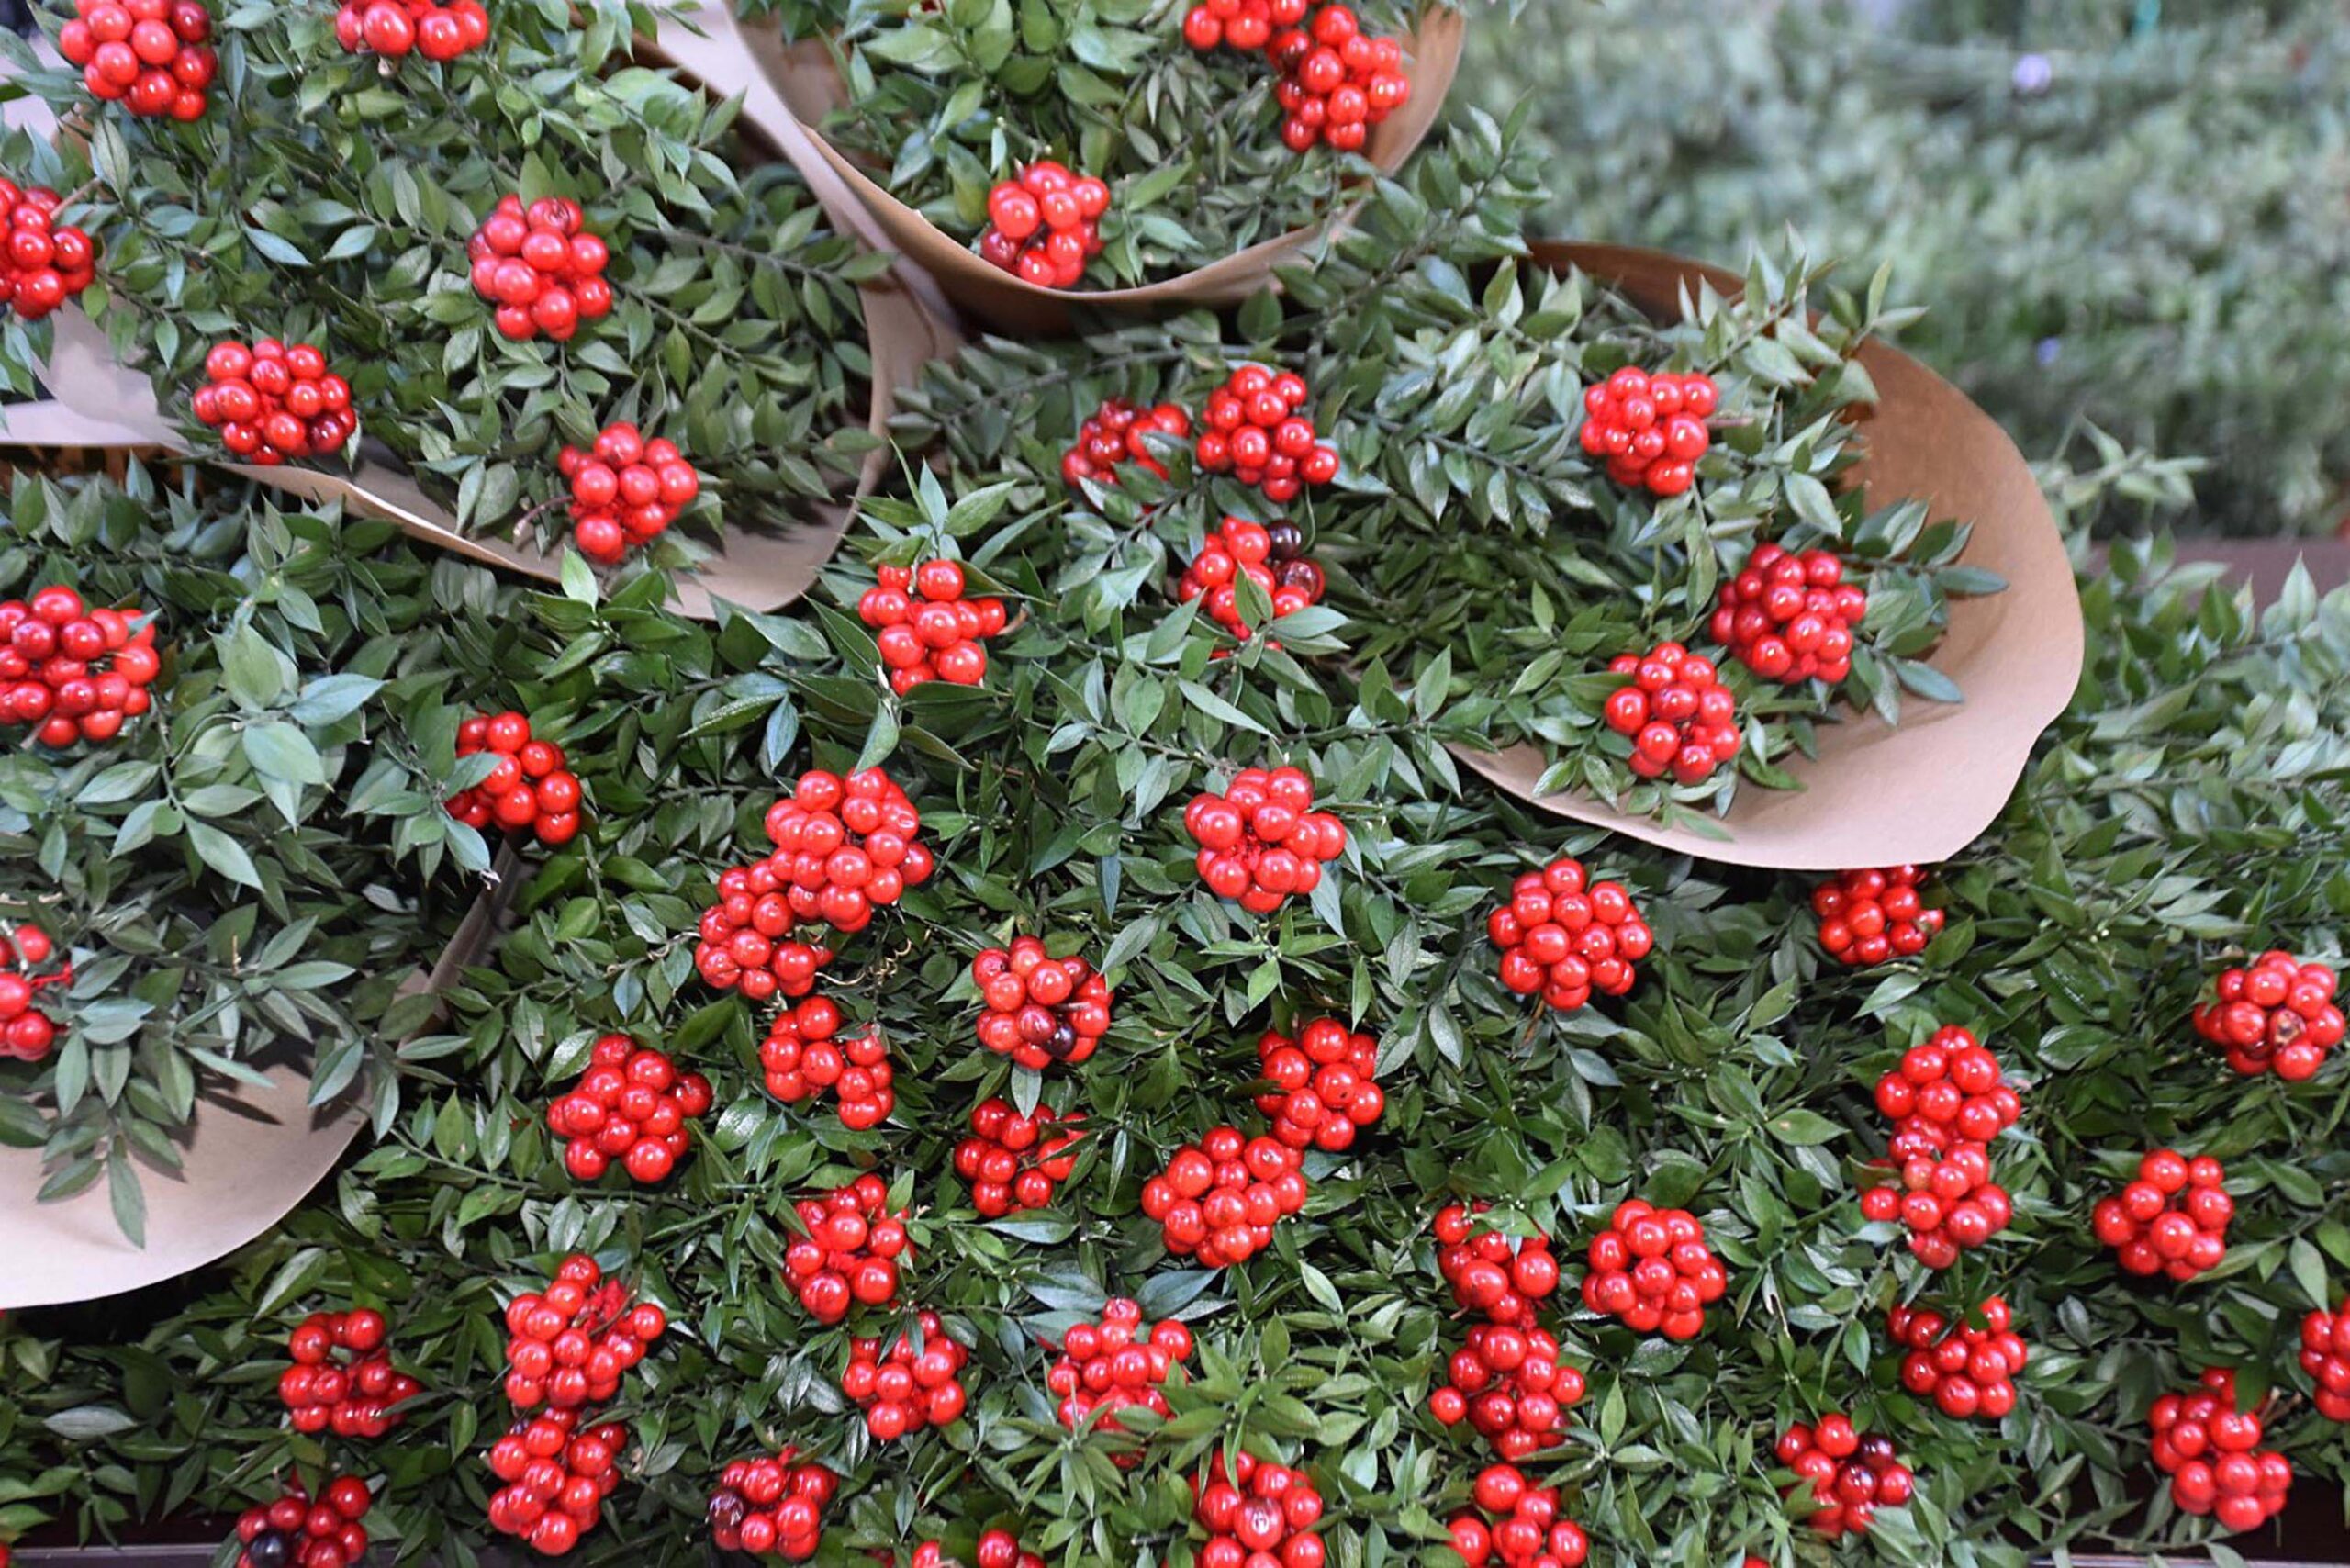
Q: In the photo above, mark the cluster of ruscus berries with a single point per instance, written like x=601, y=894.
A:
x=1260, y=839
x=437, y=30
x=994, y=1549
x=272, y=404
x=343, y=1380
x=931, y=633
x=2211, y=1452
x=1247, y=26
x=1044, y=224
x=557, y=1471
x=1947, y=1103
x=2278, y=1015
x=2172, y=1219
x=1651, y=428
x=1851, y=1476
x=27, y=1033
x=851, y=1251
x=1873, y=914
x=1324, y=1085
x=1015, y=1162
x=803, y=1055
x=625, y=491
x=1676, y=712
x=296, y=1532
x=1507, y=1383
x=1256, y=1513
x=72, y=672
x=531, y=787
x=1503, y=1279
x=631, y=1105
x=1790, y=617
x=1119, y=1363
x=1337, y=81
x=153, y=55
x=772, y=1506
x=1651, y=1268
x=1965, y=1369
x=43, y=263
x=902, y=1389
x=1117, y=434
x=1039, y=1010
x=536, y=264
x=1565, y=936
x=1522, y=1529
x=1268, y=555
x=1253, y=429
x=568, y=1345
x=746, y=942
x=1220, y=1198
x=2325, y=1356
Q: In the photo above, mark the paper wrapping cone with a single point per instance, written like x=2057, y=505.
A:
x=803, y=77
x=1877, y=795
x=248, y=1157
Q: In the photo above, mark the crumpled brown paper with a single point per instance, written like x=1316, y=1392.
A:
x=1877, y=795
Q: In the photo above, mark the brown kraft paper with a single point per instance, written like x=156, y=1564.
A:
x=1877, y=795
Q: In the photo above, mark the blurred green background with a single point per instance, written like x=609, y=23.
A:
x=2127, y=214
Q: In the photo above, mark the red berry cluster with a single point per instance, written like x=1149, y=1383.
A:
x=1014, y=1160
x=1524, y=1527
x=802, y=1057
x=1651, y=1268
x=772, y=1505
x=1220, y=1198
x=1039, y=1010
x=2211, y=1452
x=1252, y=429
x=557, y=1476
x=1260, y=839
x=534, y=263
x=1790, y=617
x=76, y=673
x=1257, y=1514
x=1677, y=713
x=530, y=787
x=1964, y=1370
x=1268, y=555
x=995, y=1549
x=272, y=404
x=393, y=28
x=568, y=1345
x=844, y=846
x=1949, y=1204
x=1245, y=24
x=1508, y=1382
x=41, y=265
x=1046, y=225
x=631, y=1104
x=1324, y=1088
x=1116, y=1364
x=1651, y=428
x=1337, y=81
x=1491, y=1273
x=295, y=1532
x=151, y=54
x=1869, y=915
x=2172, y=1220
x=357, y=1397
x=1947, y=1092
x=934, y=633
x=2325, y=1356
x=1118, y=432
x=625, y=491
x=1566, y=938
x=743, y=938
x=1851, y=1476
x=902, y=1390
x=26, y=1032
x=2278, y=1015
x=851, y=1251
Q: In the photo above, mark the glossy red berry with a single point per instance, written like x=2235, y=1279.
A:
x=341, y=1379
x=2211, y=1452
x=29, y=1032
x=1270, y=557
x=2172, y=1219
x=1324, y=1085
x=1219, y=1199
x=1650, y=1269
x=272, y=404
x=1260, y=839
x=1564, y=936
x=1649, y=428
x=925, y=627
x=805, y=1057
x=1117, y=1364
x=1036, y=1009
x=569, y=1345
x=632, y=1108
x=1507, y=1383
x=530, y=788
x=1522, y=1527
x=1015, y=1161
x=1966, y=1368
x=1675, y=712
x=625, y=491
x=1337, y=81
x=1044, y=224
x=157, y=60
x=1503, y=1277
x=2325, y=1356
x=74, y=672
x=849, y=1251
x=1790, y=617
x=772, y=1506
x=1118, y=433
x=298, y=1531
x=2278, y=1015
x=541, y=270
x=1254, y=428
x=912, y=1383
x=43, y=263
x=1875, y=914
x=558, y=1473
x=1852, y=1475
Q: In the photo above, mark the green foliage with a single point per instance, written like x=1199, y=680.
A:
x=2145, y=245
